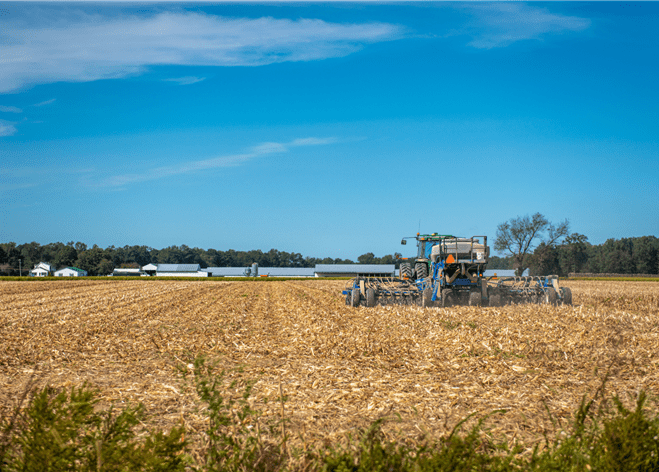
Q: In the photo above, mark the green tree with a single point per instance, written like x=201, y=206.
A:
x=66, y=256
x=105, y=267
x=545, y=261
x=519, y=235
x=645, y=255
x=574, y=253
x=89, y=260
x=368, y=258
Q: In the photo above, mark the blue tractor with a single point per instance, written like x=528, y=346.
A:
x=450, y=270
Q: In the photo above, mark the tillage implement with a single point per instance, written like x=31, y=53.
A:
x=448, y=271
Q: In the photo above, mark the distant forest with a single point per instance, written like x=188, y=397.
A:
x=621, y=256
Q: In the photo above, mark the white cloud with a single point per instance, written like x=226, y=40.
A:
x=10, y=109
x=7, y=128
x=186, y=80
x=233, y=160
x=501, y=24
x=84, y=48
x=47, y=102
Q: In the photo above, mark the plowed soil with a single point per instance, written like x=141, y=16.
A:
x=340, y=367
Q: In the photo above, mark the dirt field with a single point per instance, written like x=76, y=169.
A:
x=340, y=367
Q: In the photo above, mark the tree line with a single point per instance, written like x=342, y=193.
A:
x=98, y=261
x=530, y=242
x=545, y=248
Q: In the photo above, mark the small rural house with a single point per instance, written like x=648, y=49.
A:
x=42, y=269
x=71, y=272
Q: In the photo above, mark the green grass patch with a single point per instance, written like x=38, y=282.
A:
x=618, y=279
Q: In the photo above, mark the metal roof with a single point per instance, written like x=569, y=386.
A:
x=178, y=267
x=356, y=268
x=225, y=271
x=287, y=271
x=270, y=271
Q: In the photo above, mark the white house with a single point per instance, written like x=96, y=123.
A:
x=71, y=272
x=42, y=269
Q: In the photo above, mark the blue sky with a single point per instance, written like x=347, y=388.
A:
x=325, y=129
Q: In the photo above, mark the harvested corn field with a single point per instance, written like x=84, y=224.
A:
x=339, y=367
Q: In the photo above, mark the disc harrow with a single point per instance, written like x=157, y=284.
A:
x=448, y=271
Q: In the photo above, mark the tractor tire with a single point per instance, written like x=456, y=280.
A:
x=348, y=299
x=426, y=299
x=495, y=300
x=567, y=296
x=551, y=297
x=475, y=298
x=355, y=297
x=421, y=269
x=405, y=270
x=370, y=297
x=448, y=298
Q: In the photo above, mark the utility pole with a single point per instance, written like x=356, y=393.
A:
x=20, y=269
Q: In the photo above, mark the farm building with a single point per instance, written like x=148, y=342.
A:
x=226, y=271
x=150, y=269
x=71, y=272
x=180, y=270
x=287, y=271
x=263, y=271
x=354, y=270
x=42, y=269
x=121, y=272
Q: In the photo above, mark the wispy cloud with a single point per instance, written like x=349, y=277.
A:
x=186, y=80
x=41, y=104
x=7, y=128
x=263, y=149
x=11, y=187
x=10, y=109
x=85, y=48
x=501, y=24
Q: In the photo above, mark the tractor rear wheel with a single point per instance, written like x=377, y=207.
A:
x=370, y=297
x=475, y=298
x=405, y=270
x=421, y=269
x=567, y=296
x=551, y=297
x=355, y=297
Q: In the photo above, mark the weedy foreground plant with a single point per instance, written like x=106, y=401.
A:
x=61, y=430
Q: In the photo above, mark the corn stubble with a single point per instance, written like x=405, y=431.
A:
x=339, y=368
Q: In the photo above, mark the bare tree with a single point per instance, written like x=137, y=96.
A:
x=518, y=236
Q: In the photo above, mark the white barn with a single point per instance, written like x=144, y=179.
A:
x=71, y=272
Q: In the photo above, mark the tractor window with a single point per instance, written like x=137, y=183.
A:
x=422, y=250
x=425, y=249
